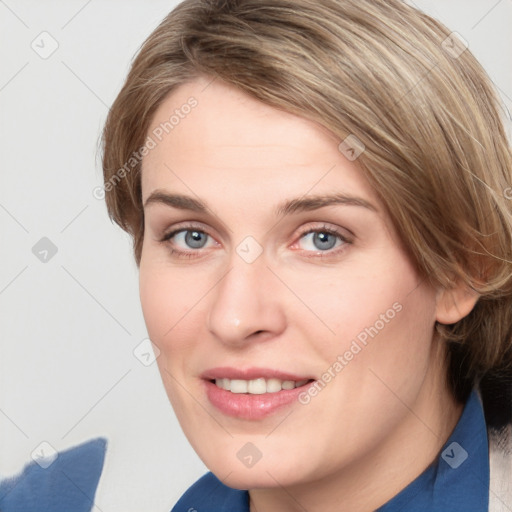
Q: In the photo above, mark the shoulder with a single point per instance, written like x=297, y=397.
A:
x=209, y=494
x=62, y=482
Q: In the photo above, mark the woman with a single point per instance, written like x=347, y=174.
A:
x=319, y=198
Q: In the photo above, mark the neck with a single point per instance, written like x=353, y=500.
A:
x=367, y=484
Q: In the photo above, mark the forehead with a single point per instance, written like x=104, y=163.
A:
x=230, y=141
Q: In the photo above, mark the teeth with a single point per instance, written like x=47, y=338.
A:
x=273, y=385
x=257, y=386
x=238, y=386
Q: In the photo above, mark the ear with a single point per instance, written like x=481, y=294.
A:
x=453, y=304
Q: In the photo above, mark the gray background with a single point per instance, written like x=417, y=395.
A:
x=69, y=325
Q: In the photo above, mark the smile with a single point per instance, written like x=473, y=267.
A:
x=258, y=386
x=254, y=393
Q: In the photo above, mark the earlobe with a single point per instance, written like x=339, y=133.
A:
x=453, y=304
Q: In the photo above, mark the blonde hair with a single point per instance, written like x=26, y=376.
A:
x=394, y=79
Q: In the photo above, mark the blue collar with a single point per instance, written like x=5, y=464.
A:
x=458, y=481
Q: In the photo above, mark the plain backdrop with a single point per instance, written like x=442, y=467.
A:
x=70, y=316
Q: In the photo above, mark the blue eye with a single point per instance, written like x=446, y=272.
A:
x=189, y=242
x=188, y=238
x=322, y=240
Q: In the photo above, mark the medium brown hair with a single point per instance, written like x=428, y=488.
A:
x=397, y=82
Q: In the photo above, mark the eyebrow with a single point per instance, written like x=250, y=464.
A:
x=176, y=201
x=301, y=204
x=315, y=202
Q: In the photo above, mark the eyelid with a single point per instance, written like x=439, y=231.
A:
x=184, y=253
x=303, y=231
x=325, y=227
x=329, y=253
x=186, y=226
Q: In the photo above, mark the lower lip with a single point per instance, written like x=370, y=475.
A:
x=251, y=407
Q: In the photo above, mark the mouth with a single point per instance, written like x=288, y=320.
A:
x=258, y=386
x=252, y=394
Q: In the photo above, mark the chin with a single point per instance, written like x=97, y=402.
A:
x=254, y=478
x=269, y=467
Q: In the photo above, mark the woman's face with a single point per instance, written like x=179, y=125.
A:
x=269, y=264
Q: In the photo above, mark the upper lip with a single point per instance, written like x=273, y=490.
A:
x=227, y=372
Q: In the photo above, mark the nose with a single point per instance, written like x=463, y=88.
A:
x=246, y=304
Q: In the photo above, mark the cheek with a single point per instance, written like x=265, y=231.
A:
x=360, y=300
x=370, y=329
x=169, y=302
x=385, y=347
x=171, y=305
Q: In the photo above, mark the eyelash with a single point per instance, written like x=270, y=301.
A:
x=330, y=252
x=316, y=254
x=182, y=254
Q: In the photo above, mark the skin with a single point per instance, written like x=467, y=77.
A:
x=379, y=423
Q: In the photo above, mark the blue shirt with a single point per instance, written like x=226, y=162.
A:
x=68, y=484
x=458, y=481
